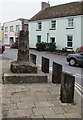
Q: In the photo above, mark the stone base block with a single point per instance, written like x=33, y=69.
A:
x=23, y=67
x=13, y=78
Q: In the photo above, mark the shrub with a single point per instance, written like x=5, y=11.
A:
x=50, y=47
x=41, y=46
x=64, y=49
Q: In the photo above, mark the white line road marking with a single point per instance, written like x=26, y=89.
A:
x=79, y=92
x=79, y=89
x=78, y=75
x=79, y=85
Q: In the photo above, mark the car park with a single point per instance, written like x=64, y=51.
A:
x=2, y=47
x=75, y=59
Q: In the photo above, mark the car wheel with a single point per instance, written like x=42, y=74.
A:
x=72, y=62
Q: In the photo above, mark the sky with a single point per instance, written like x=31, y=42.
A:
x=14, y=9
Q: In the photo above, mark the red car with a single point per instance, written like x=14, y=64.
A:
x=80, y=49
x=2, y=47
x=14, y=45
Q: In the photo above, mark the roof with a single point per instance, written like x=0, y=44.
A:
x=64, y=10
x=20, y=19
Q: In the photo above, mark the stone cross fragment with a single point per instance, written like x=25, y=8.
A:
x=23, y=47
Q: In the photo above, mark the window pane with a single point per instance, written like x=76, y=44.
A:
x=69, y=44
x=38, y=38
x=11, y=28
x=53, y=24
x=69, y=41
x=70, y=22
x=69, y=38
x=6, y=29
x=52, y=40
x=39, y=26
x=17, y=28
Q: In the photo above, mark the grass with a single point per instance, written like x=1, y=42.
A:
x=74, y=103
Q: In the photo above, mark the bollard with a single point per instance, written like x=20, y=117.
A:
x=45, y=65
x=33, y=58
x=56, y=73
x=67, y=88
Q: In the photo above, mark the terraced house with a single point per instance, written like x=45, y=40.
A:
x=62, y=24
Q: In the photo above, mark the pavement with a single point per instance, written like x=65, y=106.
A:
x=35, y=100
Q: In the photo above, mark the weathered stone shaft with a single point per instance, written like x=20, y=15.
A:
x=23, y=47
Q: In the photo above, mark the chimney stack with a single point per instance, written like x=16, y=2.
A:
x=44, y=5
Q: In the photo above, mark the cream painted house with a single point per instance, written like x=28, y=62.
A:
x=11, y=30
x=62, y=24
x=1, y=32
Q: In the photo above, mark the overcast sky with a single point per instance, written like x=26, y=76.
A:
x=14, y=9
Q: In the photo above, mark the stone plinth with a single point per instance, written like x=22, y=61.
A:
x=14, y=78
x=23, y=67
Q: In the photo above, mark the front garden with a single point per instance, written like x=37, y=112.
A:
x=51, y=47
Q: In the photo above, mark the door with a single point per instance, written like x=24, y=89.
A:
x=11, y=41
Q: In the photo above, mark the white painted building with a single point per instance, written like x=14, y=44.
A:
x=11, y=30
x=62, y=24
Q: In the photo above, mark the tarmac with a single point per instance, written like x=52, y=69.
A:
x=35, y=100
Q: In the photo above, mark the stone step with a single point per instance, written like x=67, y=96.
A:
x=19, y=78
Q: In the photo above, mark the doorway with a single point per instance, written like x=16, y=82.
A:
x=11, y=41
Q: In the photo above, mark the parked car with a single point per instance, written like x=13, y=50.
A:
x=75, y=59
x=14, y=45
x=2, y=47
x=80, y=49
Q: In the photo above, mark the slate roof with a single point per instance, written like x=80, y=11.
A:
x=64, y=10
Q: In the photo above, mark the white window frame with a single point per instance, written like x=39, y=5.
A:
x=6, y=29
x=39, y=25
x=17, y=28
x=53, y=24
x=69, y=41
x=11, y=28
x=37, y=39
x=70, y=23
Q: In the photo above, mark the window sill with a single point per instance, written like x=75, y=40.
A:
x=52, y=29
x=69, y=47
x=70, y=28
x=38, y=30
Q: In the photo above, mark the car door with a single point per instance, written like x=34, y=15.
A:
x=81, y=58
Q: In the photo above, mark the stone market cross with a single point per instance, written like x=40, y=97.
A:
x=23, y=70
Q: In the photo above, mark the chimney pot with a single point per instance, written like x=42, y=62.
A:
x=44, y=5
